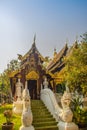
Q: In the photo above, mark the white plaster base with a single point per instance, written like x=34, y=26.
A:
x=67, y=126
x=18, y=107
x=27, y=128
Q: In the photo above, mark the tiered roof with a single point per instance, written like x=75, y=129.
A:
x=32, y=50
x=58, y=63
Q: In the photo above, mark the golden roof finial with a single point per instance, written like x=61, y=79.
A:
x=55, y=53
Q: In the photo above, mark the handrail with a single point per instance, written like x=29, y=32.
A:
x=48, y=97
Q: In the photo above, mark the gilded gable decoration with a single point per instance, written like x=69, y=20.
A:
x=32, y=75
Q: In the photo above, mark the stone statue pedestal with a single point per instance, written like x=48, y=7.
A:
x=18, y=107
x=26, y=128
x=67, y=126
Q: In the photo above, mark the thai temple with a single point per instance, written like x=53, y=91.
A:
x=34, y=68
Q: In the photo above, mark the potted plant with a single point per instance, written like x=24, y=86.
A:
x=8, y=125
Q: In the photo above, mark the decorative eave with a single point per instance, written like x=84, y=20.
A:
x=13, y=73
x=56, y=62
x=57, y=67
x=59, y=76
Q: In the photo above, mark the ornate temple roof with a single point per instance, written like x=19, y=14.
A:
x=57, y=63
x=32, y=50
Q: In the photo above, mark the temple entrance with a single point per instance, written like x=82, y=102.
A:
x=32, y=86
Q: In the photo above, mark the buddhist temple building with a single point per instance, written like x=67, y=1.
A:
x=33, y=70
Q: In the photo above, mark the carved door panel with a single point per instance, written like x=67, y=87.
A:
x=32, y=86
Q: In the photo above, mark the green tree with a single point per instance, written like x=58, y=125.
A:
x=76, y=68
x=4, y=79
x=84, y=37
x=4, y=82
x=13, y=65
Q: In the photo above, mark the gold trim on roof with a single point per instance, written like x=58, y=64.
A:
x=57, y=58
x=59, y=76
x=32, y=75
x=13, y=73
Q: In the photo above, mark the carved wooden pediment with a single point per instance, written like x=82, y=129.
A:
x=32, y=75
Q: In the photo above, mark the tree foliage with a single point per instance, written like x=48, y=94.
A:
x=4, y=79
x=4, y=82
x=84, y=37
x=13, y=65
x=76, y=68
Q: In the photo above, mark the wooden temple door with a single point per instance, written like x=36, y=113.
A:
x=32, y=80
x=32, y=86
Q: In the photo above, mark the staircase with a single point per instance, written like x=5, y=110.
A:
x=42, y=119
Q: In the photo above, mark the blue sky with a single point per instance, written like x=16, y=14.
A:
x=53, y=22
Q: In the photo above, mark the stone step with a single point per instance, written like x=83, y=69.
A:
x=42, y=116
x=39, y=107
x=41, y=112
x=34, y=103
x=47, y=128
x=42, y=119
x=39, y=124
x=37, y=102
